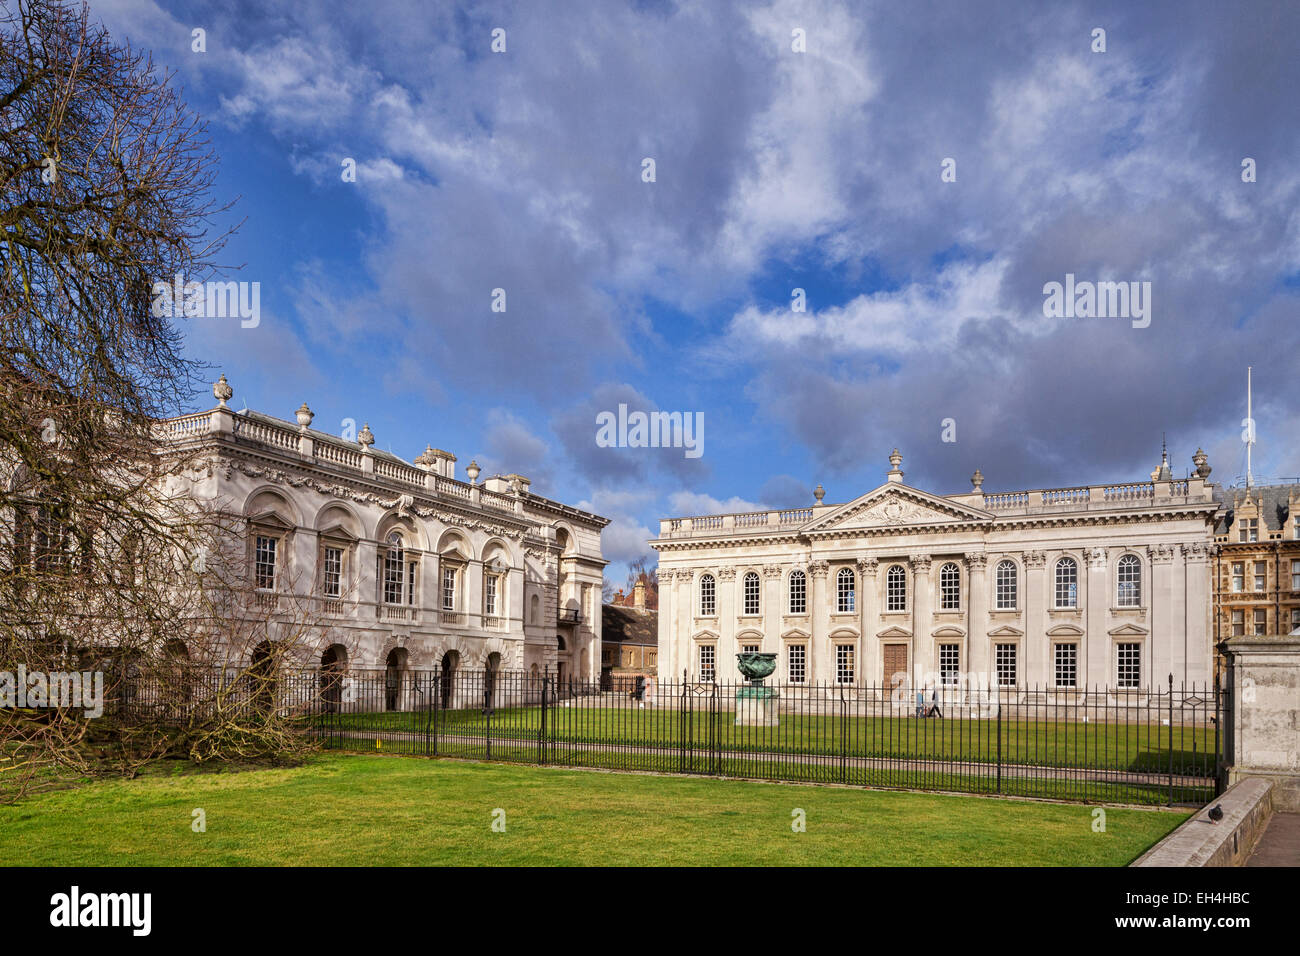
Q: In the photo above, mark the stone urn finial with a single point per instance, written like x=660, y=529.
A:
x=1202, y=463
x=977, y=480
x=222, y=391
x=472, y=471
x=304, y=415
x=819, y=492
x=366, y=438
x=895, y=459
x=426, y=457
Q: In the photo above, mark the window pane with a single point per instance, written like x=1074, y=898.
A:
x=844, y=591
x=1006, y=661
x=796, y=656
x=264, y=562
x=798, y=593
x=1006, y=586
x=949, y=587
x=751, y=593
x=896, y=589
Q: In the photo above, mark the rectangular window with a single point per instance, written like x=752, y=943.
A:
x=1006, y=661
x=264, y=562
x=1128, y=665
x=1238, y=577
x=1295, y=620
x=1238, y=623
x=708, y=662
x=449, y=589
x=1067, y=664
x=949, y=661
x=411, y=578
x=1261, y=621
x=333, y=564
x=1261, y=571
x=1249, y=530
x=490, y=595
x=749, y=648
x=844, y=663
x=797, y=663
x=1295, y=575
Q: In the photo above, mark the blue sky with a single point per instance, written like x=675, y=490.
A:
x=775, y=170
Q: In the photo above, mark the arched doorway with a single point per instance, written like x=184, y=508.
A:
x=394, y=677
x=447, y=676
x=332, y=665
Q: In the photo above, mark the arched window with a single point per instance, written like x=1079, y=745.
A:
x=1004, y=576
x=845, y=596
x=949, y=587
x=1130, y=581
x=535, y=611
x=798, y=592
x=1067, y=583
x=708, y=596
x=751, y=593
x=896, y=588
x=398, y=572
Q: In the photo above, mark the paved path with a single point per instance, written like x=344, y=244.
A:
x=1279, y=844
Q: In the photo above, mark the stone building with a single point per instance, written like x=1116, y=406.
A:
x=1101, y=585
x=410, y=566
x=1257, y=564
x=629, y=638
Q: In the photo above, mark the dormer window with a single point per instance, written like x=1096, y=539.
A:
x=1249, y=530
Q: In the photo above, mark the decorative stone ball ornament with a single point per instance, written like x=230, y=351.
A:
x=304, y=415
x=819, y=492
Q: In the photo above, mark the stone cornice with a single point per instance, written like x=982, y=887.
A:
x=504, y=525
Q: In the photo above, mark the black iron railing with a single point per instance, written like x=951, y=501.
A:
x=1161, y=745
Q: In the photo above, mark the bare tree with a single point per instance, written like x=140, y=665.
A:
x=105, y=561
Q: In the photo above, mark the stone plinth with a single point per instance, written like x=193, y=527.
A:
x=1264, y=740
x=756, y=707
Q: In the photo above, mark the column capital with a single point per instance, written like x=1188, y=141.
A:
x=977, y=560
x=919, y=562
x=1035, y=559
x=727, y=574
x=867, y=565
x=771, y=571
x=819, y=569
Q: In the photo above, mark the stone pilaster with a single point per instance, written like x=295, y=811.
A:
x=869, y=614
x=1095, y=653
x=977, y=616
x=728, y=608
x=819, y=644
x=923, y=662
x=1035, y=645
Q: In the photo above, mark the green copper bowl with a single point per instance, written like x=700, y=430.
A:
x=756, y=666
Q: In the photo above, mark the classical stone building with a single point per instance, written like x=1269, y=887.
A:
x=409, y=566
x=1102, y=585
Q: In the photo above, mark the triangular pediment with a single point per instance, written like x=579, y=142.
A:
x=1006, y=630
x=894, y=631
x=895, y=505
x=1128, y=630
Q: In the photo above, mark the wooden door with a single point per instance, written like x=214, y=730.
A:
x=895, y=663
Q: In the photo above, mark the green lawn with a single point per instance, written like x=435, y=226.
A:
x=340, y=810
x=1055, y=743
